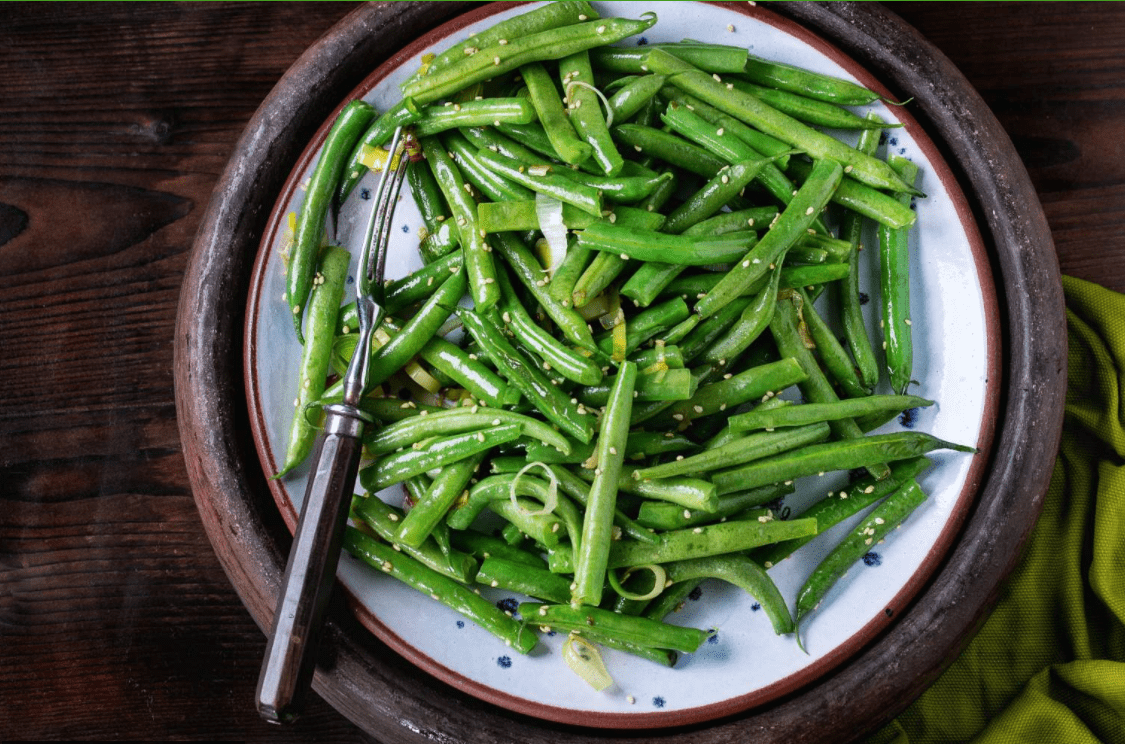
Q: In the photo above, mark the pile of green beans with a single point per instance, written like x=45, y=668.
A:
x=645, y=235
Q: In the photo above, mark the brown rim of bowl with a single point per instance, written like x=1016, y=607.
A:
x=880, y=619
x=396, y=702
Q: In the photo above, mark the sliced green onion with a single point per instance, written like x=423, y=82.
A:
x=659, y=578
x=549, y=502
x=584, y=660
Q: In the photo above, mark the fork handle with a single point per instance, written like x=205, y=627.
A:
x=311, y=570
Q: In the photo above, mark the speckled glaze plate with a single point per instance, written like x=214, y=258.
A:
x=957, y=357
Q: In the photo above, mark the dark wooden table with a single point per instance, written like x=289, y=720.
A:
x=116, y=620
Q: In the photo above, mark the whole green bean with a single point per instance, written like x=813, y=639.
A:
x=793, y=221
x=807, y=413
x=471, y=374
x=478, y=173
x=304, y=256
x=834, y=358
x=585, y=111
x=545, y=97
x=477, y=259
x=708, y=57
x=809, y=110
x=408, y=432
x=675, y=151
x=494, y=60
x=384, y=519
x=743, y=573
x=435, y=453
x=447, y=591
x=845, y=454
x=660, y=515
x=597, y=522
x=881, y=207
x=483, y=112
x=651, y=245
x=539, y=583
x=839, y=505
x=882, y=519
x=753, y=321
x=639, y=630
x=751, y=110
x=549, y=399
x=742, y=450
x=324, y=304
x=430, y=509
x=806, y=82
x=894, y=286
x=627, y=101
x=542, y=180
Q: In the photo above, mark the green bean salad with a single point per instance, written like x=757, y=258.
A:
x=637, y=323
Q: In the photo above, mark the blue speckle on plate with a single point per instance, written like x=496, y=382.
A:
x=658, y=701
x=909, y=418
x=864, y=298
x=504, y=662
x=713, y=637
x=406, y=228
x=365, y=194
x=755, y=607
x=872, y=559
x=508, y=604
x=351, y=279
x=642, y=41
x=892, y=141
x=460, y=623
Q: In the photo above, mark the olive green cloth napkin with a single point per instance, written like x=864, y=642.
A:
x=1048, y=666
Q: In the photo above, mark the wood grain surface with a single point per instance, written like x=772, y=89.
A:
x=116, y=620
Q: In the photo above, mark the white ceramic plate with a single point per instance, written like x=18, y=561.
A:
x=956, y=333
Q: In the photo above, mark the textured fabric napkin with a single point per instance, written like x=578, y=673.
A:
x=1048, y=666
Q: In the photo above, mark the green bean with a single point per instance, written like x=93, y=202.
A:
x=648, y=323
x=807, y=413
x=793, y=221
x=435, y=215
x=883, y=208
x=598, y=275
x=634, y=95
x=446, y=590
x=743, y=573
x=757, y=140
x=731, y=148
x=579, y=490
x=694, y=542
x=304, y=257
x=494, y=60
x=740, y=451
x=597, y=523
x=715, y=194
x=816, y=388
x=524, y=521
x=894, y=286
x=569, y=271
x=530, y=273
x=882, y=519
x=539, y=583
x=482, y=547
x=665, y=384
x=845, y=454
x=434, y=453
x=550, y=400
x=384, y=519
x=379, y=133
x=557, y=356
x=833, y=357
x=839, y=505
x=803, y=108
x=751, y=110
x=632, y=185
x=752, y=322
x=393, y=355
x=741, y=388
x=585, y=111
x=545, y=18
x=752, y=218
x=416, y=429
x=708, y=57
x=542, y=180
x=484, y=384
x=650, y=245
x=477, y=259
x=697, y=285
x=639, y=630
x=557, y=126
x=324, y=304
x=430, y=509
x=660, y=515
x=675, y=151
x=476, y=172
x=806, y=82
x=486, y=111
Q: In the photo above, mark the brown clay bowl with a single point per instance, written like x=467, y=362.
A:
x=396, y=701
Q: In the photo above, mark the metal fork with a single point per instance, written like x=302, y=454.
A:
x=311, y=570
